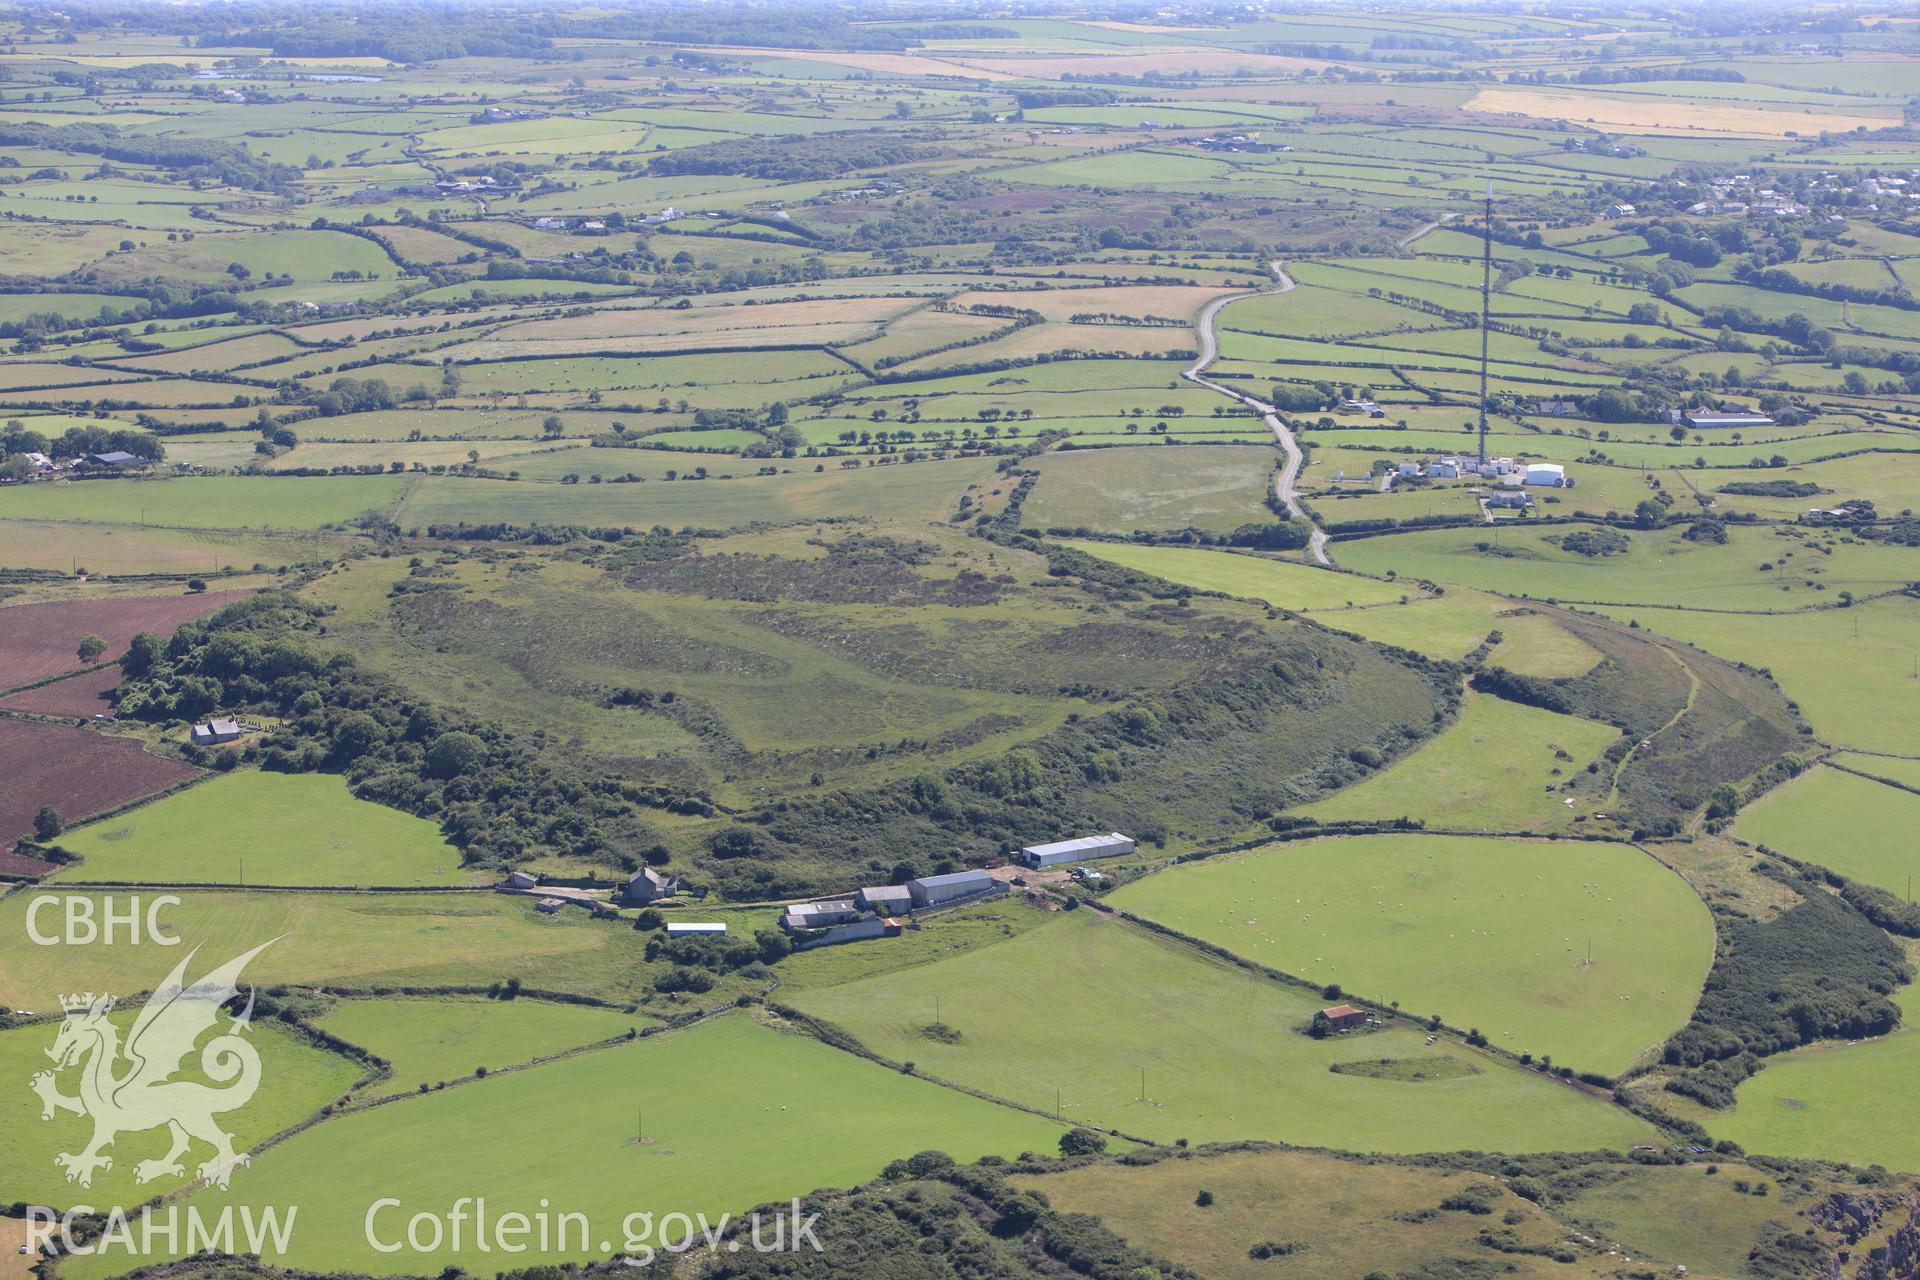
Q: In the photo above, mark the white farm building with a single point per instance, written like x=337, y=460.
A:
x=1111, y=845
x=1546, y=473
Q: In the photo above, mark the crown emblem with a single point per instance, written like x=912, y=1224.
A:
x=80, y=1004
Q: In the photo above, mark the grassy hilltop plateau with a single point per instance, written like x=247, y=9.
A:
x=587, y=544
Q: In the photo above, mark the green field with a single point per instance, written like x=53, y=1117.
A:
x=1357, y=1217
x=1217, y=488
x=1224, y=1054
x=736, y=1115
x=297, y=1079
x=1755, y=570
x=1280, y=583
x=68, y=546
x=1487, y=933
x=1853, y=671
x=212, y=502
x=922, y=491
x=1493, y=769
x=343, y=940
x=1836, y=1101
x=1853, y=825
x=1455, y=624
x=431, y=1040
x=711, y=412
x=265, y=829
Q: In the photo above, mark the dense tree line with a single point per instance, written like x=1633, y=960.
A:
x=1781, y=281
x=496, y=794
x=1820, y=970
x=77, y=442
x=225, y=162
x=795, y=159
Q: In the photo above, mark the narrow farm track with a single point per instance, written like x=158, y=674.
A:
x=1283, y=480
x=1441, y=221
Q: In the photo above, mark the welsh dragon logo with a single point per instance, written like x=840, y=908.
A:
x=130, y=1088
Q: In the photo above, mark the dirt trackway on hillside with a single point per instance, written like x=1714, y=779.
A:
x=1283, y=480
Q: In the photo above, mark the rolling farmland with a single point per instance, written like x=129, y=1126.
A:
x=663, y=489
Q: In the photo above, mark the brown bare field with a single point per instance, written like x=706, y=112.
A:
x=18, y=866
x=68, y=546
x=39, y=640
x=80, y=772
x=77, y=696
x=1663, y=115
x=1173, y=302
x=14, y=1265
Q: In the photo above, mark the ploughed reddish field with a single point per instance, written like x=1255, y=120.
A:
x=80, y=772
x=78, y=696
x=41, y=640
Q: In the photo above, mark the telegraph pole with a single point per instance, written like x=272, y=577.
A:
x=1486, y=292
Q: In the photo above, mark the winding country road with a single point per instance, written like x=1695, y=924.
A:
x=1284, y=478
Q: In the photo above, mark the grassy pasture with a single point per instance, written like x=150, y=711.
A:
x=298, y=1080
x=427, y=453
x=345, y=941
x=1851, y=670
x=1491, y=770
x=306, y=255
x=250, y=827
x=1487, y=932
x=1683, y=1215
x=916, y=491
x=1892, y=768
x=1453, y=625
x=1211, y=487
x=1223, y=1054
x=1858, y=827
x=1281, y=583
x=210, y=502
x=1836, y=1101
x=428, y=1040
x=736, y=1115
x=1756, y=569
x=1357, y=1217
x=121, y=549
